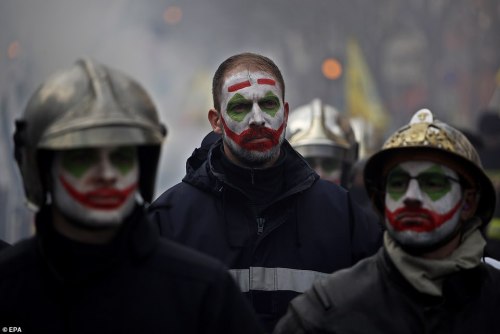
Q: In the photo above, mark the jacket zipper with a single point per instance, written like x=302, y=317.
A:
x=260, y=225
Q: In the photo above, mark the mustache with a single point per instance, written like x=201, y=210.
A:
x=252, y=134
x=246, y=137
x=419, y=219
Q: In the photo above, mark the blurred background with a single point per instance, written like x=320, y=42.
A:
x=375, y=60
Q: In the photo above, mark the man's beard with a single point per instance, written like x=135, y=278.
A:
x=253, y=158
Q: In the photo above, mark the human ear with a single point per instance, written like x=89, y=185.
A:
x=286, y=112
x=469, y=205
x=214, y=117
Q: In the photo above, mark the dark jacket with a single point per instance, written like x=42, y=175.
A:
x=139, y=283
x=4, y=245
x=373, y=297
x=274, y=251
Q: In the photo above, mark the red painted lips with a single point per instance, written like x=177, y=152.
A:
x=100, y=199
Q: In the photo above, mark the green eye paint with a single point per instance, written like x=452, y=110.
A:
x=270, y=104
x=394, y=185
x=124, y=158
x=77, y=162
x=432, y=181
x=238, y=107
x=439, y=187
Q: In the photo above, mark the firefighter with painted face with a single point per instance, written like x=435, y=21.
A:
x=324, y=137
x=255, y=203
x=428, y=183
x=88, y=146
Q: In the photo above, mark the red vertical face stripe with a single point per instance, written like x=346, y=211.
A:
x=270, y=82
x=238, y=86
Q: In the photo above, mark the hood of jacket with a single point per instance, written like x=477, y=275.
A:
x=203, y=175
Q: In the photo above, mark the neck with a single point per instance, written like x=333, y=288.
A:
x=445, y=250
x=80, y=234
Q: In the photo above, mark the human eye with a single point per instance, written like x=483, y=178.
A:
x=431, y=182
x=238, y=104
x=239, y=107
x=77, y=161
x=124, y=157
x=397, y=182
x=269, y=103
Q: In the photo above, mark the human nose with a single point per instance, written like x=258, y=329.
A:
x=413, y=193
x=107, y=173
x=257, y=118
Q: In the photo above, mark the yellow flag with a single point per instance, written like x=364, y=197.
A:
x=362, y=99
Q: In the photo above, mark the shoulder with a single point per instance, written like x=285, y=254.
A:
x=173, y=196
x=3, y=244
x=17, y=258
x=332, y=301
x=326, y=189
x=338, y=288
x=167, y=194
x=179, y=193
x=326, y=195
x=187, y=264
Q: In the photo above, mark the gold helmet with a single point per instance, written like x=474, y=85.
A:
x=426, y=134
x=87, y=105
x=320, y=130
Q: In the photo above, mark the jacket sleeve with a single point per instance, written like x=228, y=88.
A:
x=305, y=314
x=366, y=231
x=226, y=310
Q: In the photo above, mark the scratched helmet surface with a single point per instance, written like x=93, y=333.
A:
x=87, y=105
x=424, y=133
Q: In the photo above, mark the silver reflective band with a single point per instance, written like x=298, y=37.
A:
x=275, y=279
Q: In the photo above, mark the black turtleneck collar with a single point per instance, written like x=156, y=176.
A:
x=72, y=261
x=260, y=185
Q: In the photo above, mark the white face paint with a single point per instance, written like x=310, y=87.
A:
x=253, y=115
x=96, y=187
x=426, y=211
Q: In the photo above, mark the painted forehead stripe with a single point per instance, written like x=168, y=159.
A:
x=270, y=82
x=244, y=84
x=238, y=86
